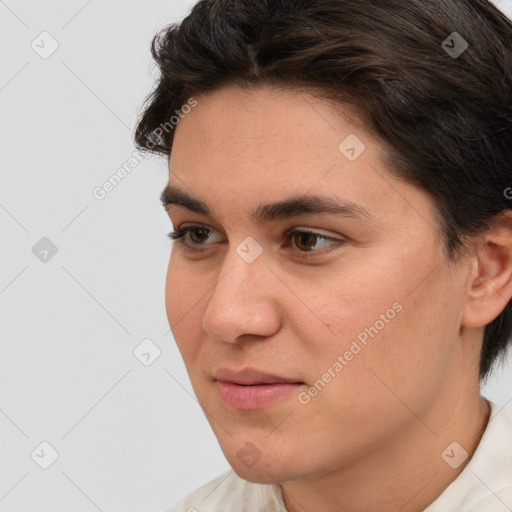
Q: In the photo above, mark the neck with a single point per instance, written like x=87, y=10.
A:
x=407, y=474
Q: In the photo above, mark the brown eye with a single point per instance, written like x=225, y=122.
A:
x=305, y=241
x=308, y=244
x=199, y=235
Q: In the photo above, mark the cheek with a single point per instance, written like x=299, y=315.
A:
x=183, y=293
x=383, y=321
x=356, y=305
x=174, y=289
x=184, y=287
x=402, y=361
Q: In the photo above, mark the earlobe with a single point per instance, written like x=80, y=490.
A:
x=490, y=285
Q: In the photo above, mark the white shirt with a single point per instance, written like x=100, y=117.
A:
x=485, y=484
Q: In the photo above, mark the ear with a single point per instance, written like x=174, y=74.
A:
x=490, y=286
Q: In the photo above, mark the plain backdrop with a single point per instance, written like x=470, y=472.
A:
x=96, y=408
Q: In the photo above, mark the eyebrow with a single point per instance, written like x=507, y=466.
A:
x=286, y=208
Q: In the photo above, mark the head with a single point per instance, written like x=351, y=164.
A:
x=346, y=177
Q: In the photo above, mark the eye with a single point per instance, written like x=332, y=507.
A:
x=305, y=242
x=308, y=241
x=197, y=235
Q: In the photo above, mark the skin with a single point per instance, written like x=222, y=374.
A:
x=382, y=423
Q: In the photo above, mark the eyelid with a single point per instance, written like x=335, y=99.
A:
x=314, y=231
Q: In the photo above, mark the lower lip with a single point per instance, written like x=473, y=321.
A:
x=251, y=398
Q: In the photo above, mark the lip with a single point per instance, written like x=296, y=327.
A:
x=250, y=377
x=250, y=389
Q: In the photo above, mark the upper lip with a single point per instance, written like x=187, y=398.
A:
x=250, y=376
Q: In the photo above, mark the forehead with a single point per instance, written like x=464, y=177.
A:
x=269, y=118
x=241, y=147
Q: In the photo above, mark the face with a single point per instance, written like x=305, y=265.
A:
x=353, y=309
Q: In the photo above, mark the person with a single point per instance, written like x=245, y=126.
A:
x=341, y=278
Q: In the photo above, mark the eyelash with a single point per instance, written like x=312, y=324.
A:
x=180, y=234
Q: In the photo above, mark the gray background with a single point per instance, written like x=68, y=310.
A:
x=129, y=437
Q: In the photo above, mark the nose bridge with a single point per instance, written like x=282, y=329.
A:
x=244, y=263
x=241, y=301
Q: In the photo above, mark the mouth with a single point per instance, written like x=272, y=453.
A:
x=250, y=390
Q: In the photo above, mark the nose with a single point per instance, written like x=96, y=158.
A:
x=243, y=302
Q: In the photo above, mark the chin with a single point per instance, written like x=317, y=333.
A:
x=267, y=470
x=259, y=474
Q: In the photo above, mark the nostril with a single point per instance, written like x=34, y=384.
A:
x=207, y=332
